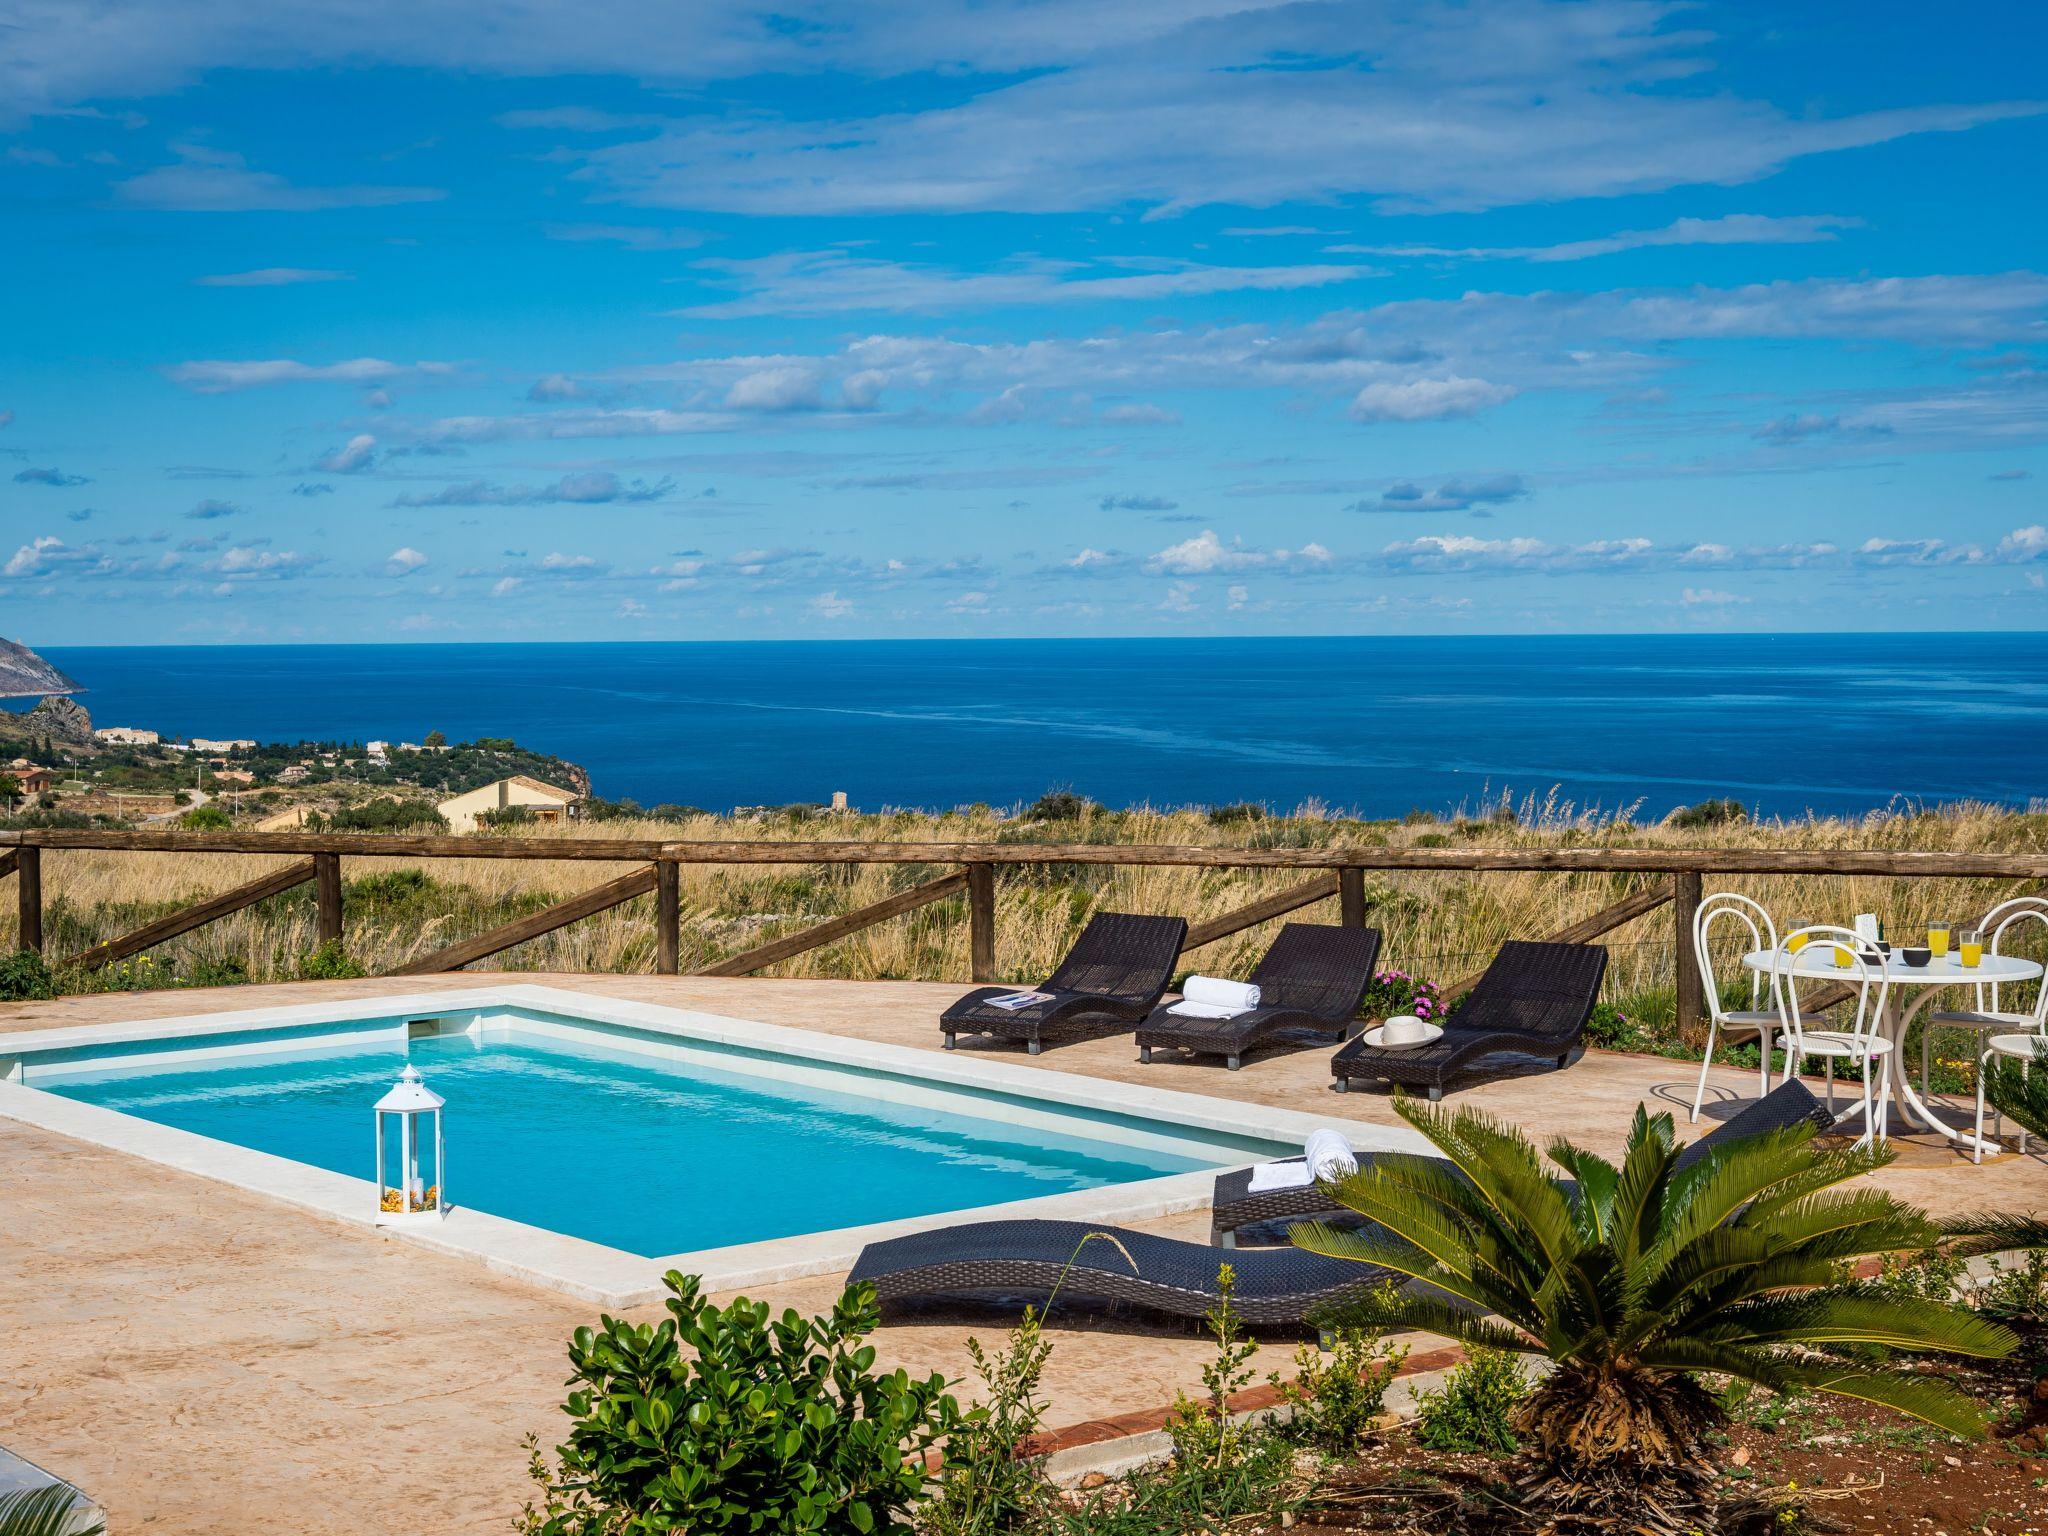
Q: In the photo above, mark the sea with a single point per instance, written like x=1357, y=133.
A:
x=1377, y=726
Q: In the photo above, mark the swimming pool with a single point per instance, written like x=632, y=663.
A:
x=592, y=1144
x=644, y=1156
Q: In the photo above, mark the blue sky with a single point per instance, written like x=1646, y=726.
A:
x=375, y=321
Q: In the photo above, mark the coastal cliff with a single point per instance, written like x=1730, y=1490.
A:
x=23, y=673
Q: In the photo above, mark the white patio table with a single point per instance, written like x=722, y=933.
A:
x=1816, y=963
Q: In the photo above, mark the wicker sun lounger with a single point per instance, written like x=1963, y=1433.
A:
x=1024, y=1260
x=1310, y=985
x=1272, y=1211
x=1529, y=1008
x=1116, y=971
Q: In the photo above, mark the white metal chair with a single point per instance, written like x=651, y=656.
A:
x=2001, y=927
x=1861, y=1043
x=1750, y=919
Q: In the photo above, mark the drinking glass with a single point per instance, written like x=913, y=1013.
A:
x=1796, y=941
x=1970, y=943
x=1842, y=957
x=1937, y=940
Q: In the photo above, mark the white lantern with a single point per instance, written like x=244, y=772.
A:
x=412, y=1197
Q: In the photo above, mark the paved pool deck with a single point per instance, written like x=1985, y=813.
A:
x=200, y=1359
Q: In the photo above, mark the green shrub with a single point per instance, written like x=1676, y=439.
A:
x=1393, y=992
x=1337, y=1401
x=226, y=971
x=1472, y=1410
x=206, y=818
x=718, y=1421
x=987, y=1486
x=386, y=814
x=389, y=887
x=25, y=975
x=1060, y=805
x=328, y=962
x=1240, y=814
x=1708, y=813
x=1203, y=1433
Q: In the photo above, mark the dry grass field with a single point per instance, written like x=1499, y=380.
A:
x=1438, y=925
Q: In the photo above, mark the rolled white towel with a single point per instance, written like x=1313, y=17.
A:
x=1239, y=996
x=1330, y=1157
x=1292, y=1174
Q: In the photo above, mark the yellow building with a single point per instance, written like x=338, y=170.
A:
x=543, y=802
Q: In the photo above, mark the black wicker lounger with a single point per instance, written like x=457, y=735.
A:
x=1025, y=1260
x=1310, y=985
x=1530, y=1007
x=1237, y=1208
x=1115, y=972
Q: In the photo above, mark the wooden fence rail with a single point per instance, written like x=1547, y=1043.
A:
x=1336, y=871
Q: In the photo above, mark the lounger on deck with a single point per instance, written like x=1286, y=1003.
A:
x=1310, y=985
x=1237, y=1208
x=1116, y=971
x=1025, y=1260
x=1529, y=1009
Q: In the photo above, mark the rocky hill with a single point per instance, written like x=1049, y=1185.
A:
x=23, y=673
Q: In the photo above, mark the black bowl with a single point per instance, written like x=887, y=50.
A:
x=1916, y=957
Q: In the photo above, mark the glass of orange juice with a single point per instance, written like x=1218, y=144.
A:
x=1842, y=957
x=1937, y=940
x=1970, y=945
x=1797, y=941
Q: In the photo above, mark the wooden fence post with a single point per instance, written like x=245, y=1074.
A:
x=981, y=921
x=1351, y=896
x=1685, y=903
x=327, y=897
x=668, y=937
x=28, y=891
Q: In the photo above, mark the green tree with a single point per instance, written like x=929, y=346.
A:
x=1634, y=1279
x=435, y=739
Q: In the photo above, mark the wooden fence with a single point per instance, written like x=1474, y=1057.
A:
x=1673, y=876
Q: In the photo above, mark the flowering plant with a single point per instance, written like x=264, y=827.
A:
x=1397, y=992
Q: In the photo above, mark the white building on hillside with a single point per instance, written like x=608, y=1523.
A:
x=126, y=736
x=544, y=802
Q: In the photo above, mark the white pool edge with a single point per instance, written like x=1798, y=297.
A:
x=611, y=1277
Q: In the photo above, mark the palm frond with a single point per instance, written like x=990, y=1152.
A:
x=2019, y=1094
x=1926, y=1398
x=1429, y=1314
x=48, y=1511
x=1976, y=1232
x=1503, y=1168
x=1849, y=1315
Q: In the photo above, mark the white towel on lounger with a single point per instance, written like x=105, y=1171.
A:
x=1330, y=1157
x=1237, y=996
x=1292, y=1174
x=1193, y=1010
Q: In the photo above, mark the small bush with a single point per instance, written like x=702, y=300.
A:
x=1473, y=1409
x=226, y=971
x=987, y=1486
x=389, y=887
x=206, y=818
x=1061, y=805
x=328, y=962
x=1337, y=1401
x=719, y=1421
x=1708, y=813
x=386, y=814
x=1397, y=992
x=25, y=976
x=1243, y=813
x=1203, y=1433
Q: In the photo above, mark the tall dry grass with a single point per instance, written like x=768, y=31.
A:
x=1439, y=925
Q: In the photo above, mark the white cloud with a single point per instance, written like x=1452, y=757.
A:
x=557, y=561
x=2024, y=544
x=583, y=488
x=830, y=605
x=833, y=282
x=208, y=180
x=1729, y=229
x=1710, y=597
x=404, y=561
x=219, y=376
x=774, y=389
x=1430, y=399
x=357, y=454
x=1205, y=553
x=505, y=586
x=252, y=561
x=271, y=277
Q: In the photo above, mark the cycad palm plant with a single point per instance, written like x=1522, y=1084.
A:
x=1636, y=1279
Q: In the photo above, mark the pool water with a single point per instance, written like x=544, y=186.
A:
x=637, y=1154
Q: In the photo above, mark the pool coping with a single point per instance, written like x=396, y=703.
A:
x=612, y=1277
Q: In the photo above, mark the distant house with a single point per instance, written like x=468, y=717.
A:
x=234, y=776
x=33, y=780
x=295, y=773
x=378, y=750
x=126, y=736
x=207, y=744
x=543, y=802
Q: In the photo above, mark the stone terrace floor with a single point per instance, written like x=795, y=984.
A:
x=202, y=1360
